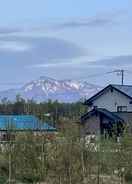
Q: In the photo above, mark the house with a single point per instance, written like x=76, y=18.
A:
x=111, y=107
x=22, y=123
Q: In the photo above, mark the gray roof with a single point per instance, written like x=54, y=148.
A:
x=105, y=112
x=109, y=114
x=127, y=89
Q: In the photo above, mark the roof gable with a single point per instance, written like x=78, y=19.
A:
x=123, y=89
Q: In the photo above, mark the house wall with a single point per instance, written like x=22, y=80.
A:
x=110, y=100
x=127, y=117
x=92, y=126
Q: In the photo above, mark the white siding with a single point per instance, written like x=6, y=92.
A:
x=110, y=100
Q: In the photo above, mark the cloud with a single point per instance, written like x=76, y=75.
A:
x=117, y=61
x=100, y=20
x=99, y=71
x=76, y=63
x=8, y=30
x=51, y=65
x=31, y=51
x=14, y=46
x=93, y=21
x=56, y=64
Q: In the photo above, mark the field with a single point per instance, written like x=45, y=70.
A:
x=65, y=158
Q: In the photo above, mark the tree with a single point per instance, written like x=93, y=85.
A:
x=18, y=107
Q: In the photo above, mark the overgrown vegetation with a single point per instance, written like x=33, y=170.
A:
x=65, y=157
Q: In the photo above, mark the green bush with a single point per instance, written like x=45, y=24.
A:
x=128, y=177
x=2, y=179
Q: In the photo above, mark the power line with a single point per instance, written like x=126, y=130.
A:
x=120, y=72
x=99, y=74
x=102, y=74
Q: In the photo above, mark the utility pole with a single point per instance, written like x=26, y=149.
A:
x=122, y=77
x=10, y=169
x=121, y=72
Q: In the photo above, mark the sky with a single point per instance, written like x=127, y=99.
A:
x=65, y=39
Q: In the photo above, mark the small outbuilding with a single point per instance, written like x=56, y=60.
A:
x=23, y=123
x=102, y=122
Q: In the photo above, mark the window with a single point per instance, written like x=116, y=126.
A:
x=121, y=108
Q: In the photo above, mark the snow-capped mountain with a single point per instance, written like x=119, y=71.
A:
x=47, y=88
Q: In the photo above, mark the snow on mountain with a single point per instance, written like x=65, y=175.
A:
x=47, y=88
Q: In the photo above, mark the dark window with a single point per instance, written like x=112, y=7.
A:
x=121, y=108
x=111, y=90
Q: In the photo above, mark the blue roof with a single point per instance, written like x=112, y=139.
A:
x=23, y=122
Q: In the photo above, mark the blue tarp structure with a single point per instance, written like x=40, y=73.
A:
x=23, y=122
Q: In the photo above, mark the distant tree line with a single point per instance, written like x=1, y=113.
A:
x=54, y=109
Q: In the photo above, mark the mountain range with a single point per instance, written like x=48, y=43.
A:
x=46, y=88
